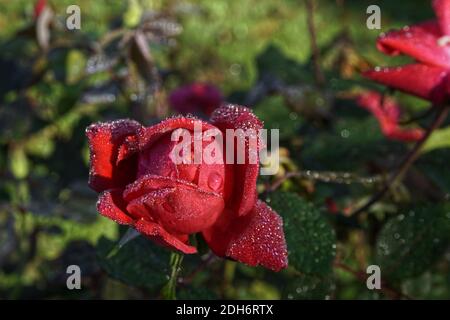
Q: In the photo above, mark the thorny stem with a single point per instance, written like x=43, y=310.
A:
x=362, y=276
x=320, y=79
x=410, y=158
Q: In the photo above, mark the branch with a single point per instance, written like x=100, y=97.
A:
x=362, y=276
x=325, y=176
x=410, y=158
x=320, y=79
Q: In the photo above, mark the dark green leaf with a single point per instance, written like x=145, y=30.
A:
x=310, y=238
x=412, y=242
x=138, y=263
x=308, y=287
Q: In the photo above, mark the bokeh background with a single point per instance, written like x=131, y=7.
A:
x=55, y=82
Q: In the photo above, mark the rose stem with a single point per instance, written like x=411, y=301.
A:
x=168, y=292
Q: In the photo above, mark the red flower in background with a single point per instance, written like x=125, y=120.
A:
x=429, y=44
x=196, y=97
x=387, y=112
x=142, y=187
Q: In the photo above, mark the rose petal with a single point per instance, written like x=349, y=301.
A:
x=139, y=208
x=442, y=10
x=420, y=41
x=105, y=139
x=147, y=136
x=406, y=135
x=256, y=239
x=156, y=160
x=175, y=204
x=371, y=101
x=432, y=85
x=156, y=233
x=148, y=183
x=213, y=174
x=245, y=175
x=111, y=205
x=388, y=116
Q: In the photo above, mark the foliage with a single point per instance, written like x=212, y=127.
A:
x=257, y=52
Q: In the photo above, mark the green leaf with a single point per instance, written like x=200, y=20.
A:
x=357, y=140
x=429, y=285
x=133, y=14
x=276, y=115
x=439, y=139
x=75, y=66
x=138, y=263
x=412, y=242
x=434, y=165
x=310, y=238
x=18, y=163
x=308, y=287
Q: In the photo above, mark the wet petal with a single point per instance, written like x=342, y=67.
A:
x=256, y=239
x=147, y=136
x=111, y=205
x=245, y=175
x=178, y=206
x=432, y=85
x=148, y=183
x=156, y=159
x=442, y=10
x=419, y=41
x=105, y=139
x=156, y=233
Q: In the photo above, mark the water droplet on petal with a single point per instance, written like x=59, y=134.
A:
x=215, y=181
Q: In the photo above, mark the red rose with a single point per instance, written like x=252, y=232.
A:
x=387, y=112
x=142, y=187
x=196, y=97
x=429, y=44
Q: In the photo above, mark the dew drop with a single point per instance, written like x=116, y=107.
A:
x=215, y=181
